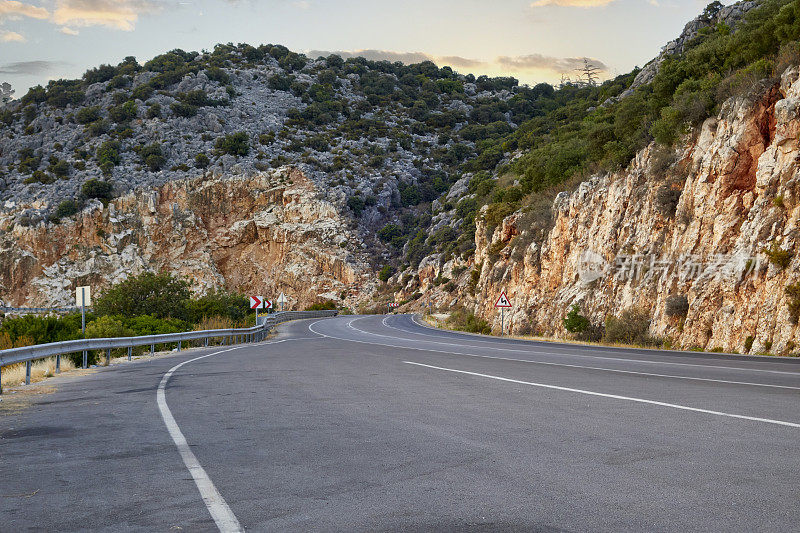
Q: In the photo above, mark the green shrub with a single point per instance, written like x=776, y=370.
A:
x=152, y=156
x=322, y=306
x=107, y=327
x=218, y=303
x=67, y=208
x=236, y=144
x=575, y=322
x=748, y=343
x=778, y=256
x=154, y=110
x=462, y=320
x=108, y=156
x=386, y=273
x=94, y=188
x=87, y=115
x=356, y=205
x=182, y=109
x=123, y=113
x=201, y=161
x=160, y=295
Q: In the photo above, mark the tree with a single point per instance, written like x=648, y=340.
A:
x=159, y=295
x=6, y=92
x=201, y=161
x=589, y=73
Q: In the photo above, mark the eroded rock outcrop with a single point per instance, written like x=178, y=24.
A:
x=264, y=234
x=614, y=243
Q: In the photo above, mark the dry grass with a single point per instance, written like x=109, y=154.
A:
x=15, y=374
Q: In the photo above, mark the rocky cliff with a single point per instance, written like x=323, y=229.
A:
x=264, y=233
x=715, y=221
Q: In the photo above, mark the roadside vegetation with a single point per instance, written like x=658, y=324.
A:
x=147, y=304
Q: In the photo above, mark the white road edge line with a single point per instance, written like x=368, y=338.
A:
x=581, y=356
x=548, y=363
x=220, y=511
x=612, y=396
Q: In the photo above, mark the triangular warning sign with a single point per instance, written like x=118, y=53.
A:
x=503, y=301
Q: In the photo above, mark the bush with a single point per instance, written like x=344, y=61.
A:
x=386, y=273
x=67, y=208
x=87, y=115
x=159, y=295
x=124, y=112
x=778, y=256
x=677, y=305
x=108, y=156
x=356, y=205
x=182, y=109
x=154, y=110
x=201, y=161
x=107, y=327
x=102, y=190
x=793, y=292
x=322, y=306
x=462, y=320
x=152, y=156
x=575, y=322
x=236, y=144
x=218, y=303
x=748, y=343
x=631, y=327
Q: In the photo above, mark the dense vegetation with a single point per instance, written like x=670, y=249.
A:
x=581, y=128
x=147, y=304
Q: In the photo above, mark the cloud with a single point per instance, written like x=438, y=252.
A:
x=459, y=62
x=68, y=31
x=375, y=55
x=302, y=4
x=12, y=9
x=542, y=62
x=572, y=3
x=30, y=67
x=115, y=14
x=11, y=37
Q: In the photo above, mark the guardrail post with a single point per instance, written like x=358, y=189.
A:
x=1, y=380
x=108, y=356
x=179, y=346
x=130, y=352
x=58, y=364
x=85, y=359
x=152, y=349
x=28, y=372
x=206, y=342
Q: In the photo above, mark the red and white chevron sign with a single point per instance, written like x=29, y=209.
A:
x=257, y=302
x=394, y=305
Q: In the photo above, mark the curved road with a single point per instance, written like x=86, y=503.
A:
x=378, y=423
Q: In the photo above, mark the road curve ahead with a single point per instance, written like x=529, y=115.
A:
x=378, y=423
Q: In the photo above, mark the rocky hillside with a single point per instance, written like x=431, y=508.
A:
x=669, y=191
x=273, y=231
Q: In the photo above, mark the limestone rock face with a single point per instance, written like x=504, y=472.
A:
x=614, y=244
x=261, y=234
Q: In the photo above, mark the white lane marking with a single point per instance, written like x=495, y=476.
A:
x=613, y=396
x=567, y=354
x=220, y=511
x=499, y=358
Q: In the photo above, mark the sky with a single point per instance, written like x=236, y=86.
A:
x=532, y=40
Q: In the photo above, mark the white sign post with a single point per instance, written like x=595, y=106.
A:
x=83, y=297
x=502, y=303
x=281, y=300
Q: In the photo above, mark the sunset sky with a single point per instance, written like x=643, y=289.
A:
x=533, y=41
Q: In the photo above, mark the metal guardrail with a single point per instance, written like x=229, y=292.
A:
x=24, y=310
x=28, y=354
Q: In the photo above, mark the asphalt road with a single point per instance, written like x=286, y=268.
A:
x=380, y=424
